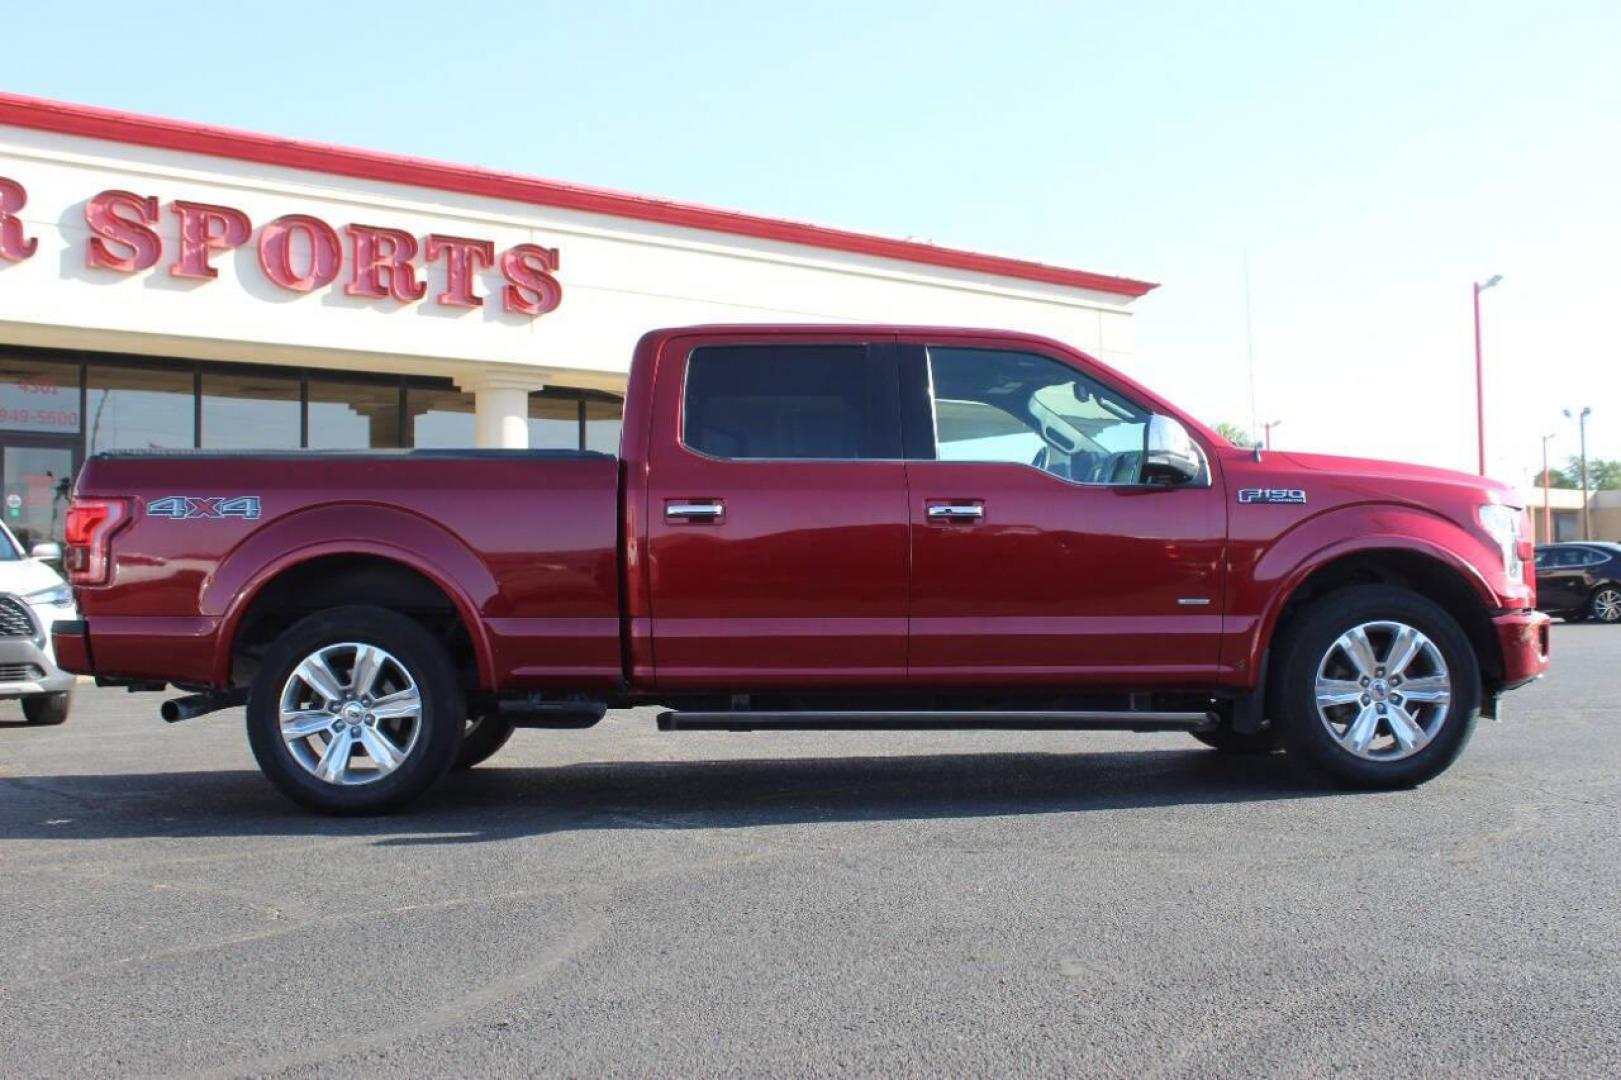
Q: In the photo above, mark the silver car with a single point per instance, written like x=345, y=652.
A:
x=32, y=597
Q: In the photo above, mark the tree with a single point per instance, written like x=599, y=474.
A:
x=1603, y=474
x=1237, y=435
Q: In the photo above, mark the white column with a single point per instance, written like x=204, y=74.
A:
x=500, y=407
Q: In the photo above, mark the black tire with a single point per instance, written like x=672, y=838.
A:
x=484, y=736
x=1605, y=604
x=1309, y=639
x=48, y=710
x=441, y=719
x=1228, y=741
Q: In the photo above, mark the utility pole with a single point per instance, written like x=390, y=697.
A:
x=1480, y=374
x=1581, y=426
x=1267, y=427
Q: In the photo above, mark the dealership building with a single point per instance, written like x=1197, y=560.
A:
x=167, y=284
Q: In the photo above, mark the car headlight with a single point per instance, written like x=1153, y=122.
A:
x=1502, y=524
x=55, y=596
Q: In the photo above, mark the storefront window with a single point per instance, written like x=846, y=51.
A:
x=244, y=409
x=602, y=423
x=351, y=415
x=39, y=396
x=554, y=422
x=138, y=408
x=440, y=418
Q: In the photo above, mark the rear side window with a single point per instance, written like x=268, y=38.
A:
x=788, y=402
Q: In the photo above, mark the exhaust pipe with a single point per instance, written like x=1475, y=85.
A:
x=194, y=705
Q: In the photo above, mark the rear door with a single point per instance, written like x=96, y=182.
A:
x=1562, y=578
x=1039, y=555
x=776, y=514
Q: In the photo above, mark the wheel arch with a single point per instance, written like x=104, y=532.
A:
x=1404, y=562
x=1606, y=583
x=420, y=568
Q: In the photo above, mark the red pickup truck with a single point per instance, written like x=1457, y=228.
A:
x=859, y=528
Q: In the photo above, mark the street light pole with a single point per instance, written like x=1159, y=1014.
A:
x=1581, y=426
x=1480, y=374
x=1267, y=428
x=1547, y=506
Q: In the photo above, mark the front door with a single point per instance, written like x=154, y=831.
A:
x=776, y=515
x=1039, y=555
x=36, y=478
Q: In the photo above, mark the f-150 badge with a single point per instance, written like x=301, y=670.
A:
x=1271, y=495
x=192, y=507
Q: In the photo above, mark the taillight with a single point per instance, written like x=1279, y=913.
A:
x=89, y=529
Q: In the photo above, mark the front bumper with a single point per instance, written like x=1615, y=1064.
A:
x=28, y=666
x=1522, y=638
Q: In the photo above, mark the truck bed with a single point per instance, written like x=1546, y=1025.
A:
x=524, y=542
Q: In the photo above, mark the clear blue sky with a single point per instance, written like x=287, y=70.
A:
x=1373, y=158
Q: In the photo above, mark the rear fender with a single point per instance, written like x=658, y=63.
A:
x=364, y=529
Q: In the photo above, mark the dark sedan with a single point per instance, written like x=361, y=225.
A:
x=1580, y=581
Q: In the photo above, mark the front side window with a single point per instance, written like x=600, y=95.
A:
x=784, y=402
x=1026, y=409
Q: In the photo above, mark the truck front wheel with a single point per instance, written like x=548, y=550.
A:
x=1377, y=687
x=355, y=710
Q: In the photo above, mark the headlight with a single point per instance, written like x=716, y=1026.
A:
x=55, y=596
x=1502, y=524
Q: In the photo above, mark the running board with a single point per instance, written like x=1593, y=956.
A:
x=913, y=720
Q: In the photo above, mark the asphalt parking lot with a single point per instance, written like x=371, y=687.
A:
x=620, y=901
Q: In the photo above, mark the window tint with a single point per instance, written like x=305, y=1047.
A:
x=1567, y=558
x=250, y=410
x=808, y=402
x=348, y=414
x=995, y=405
x=441, y=418
x=139, y=408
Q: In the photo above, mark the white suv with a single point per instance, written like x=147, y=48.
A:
x=32, y=597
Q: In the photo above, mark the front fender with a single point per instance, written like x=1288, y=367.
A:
x=1280, y=568
x=350, y=529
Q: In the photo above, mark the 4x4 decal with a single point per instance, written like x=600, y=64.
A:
x=191, y=507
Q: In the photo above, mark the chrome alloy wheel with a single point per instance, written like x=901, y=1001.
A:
x=350, y=713
x=1383, y=691
x=1607, y=605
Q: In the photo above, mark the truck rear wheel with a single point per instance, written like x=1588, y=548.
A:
x=355, y=710
x=1377, y=687
x=484, y=736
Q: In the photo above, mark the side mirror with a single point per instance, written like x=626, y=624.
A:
x=1169, y=453
x=46, y=552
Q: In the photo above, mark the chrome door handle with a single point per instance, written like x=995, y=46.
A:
x=956, y=512
x=681, y=511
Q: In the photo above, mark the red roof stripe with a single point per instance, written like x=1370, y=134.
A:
x=89, y=122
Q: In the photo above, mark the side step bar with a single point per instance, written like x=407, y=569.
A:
x=913, y=720
x=551, y=714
